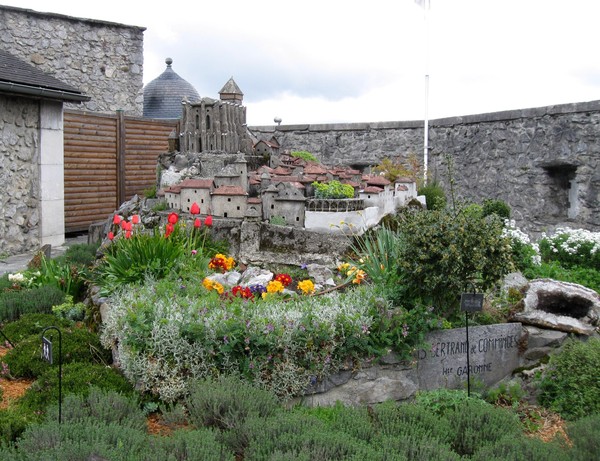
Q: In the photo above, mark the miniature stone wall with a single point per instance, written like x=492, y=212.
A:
x=543, y=162
x=19, y=174
x=104, y=60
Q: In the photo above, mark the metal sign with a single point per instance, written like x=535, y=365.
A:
x=47, y=350
x=471, y=302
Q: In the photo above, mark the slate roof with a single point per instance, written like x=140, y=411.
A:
x=20, y=77
x=163, y=95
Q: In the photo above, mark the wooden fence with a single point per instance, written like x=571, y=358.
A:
x=108, y=159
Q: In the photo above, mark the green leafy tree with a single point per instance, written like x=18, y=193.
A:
x=333, y=189
x=304, y=155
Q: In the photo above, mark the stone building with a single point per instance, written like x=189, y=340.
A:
x=104, y=60
x=216, y=125
x=31, y=154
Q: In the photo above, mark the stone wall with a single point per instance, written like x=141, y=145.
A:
x=104, y=60
x=19, y=174
x=543, y=162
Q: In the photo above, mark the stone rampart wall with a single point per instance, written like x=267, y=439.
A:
x=543, y=161
x=104, y=60
x=19, y=174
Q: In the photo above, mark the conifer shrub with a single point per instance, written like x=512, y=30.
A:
x=32, y=324
x=78, y=345
x=77, y=378
x=570, y=384
x=13, y=304
x=583, y=434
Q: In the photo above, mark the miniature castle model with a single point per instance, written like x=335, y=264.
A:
x=281, y=188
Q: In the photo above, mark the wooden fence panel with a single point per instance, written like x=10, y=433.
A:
x=145, y=140
x=108, y=159
x=90, y=169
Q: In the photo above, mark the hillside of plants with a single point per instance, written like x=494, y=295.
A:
x=211, y=357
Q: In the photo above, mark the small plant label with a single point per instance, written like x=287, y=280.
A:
x=47, y=350
x=471, y=302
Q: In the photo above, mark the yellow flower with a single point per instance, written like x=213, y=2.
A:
x=306, y=286
x=212, y=285
x=274, y=286
x=343, y=267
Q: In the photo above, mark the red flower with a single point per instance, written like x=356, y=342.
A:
x=111, y=235
x=128, y=234
x=195, y=209
x=197, y=223
x=173, y=218
x=128, y=226
x=135, y=219
x=124, y=225
x=208, y=221
x=284, y=279
x=116, y=219
x=169, y=229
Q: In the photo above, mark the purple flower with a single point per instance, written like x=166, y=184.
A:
x=405, y=330
x=225, y=339
x=257, y=289
x=304, y=266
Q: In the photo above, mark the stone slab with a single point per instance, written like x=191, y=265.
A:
x=493, y=355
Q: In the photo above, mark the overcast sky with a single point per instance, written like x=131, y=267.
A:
x=332, y=61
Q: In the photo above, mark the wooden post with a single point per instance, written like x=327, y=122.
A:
x=121, y=184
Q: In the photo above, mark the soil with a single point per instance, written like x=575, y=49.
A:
x=542, y=423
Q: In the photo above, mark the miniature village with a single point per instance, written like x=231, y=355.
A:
x=217, y=162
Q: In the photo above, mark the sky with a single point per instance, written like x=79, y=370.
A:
x=335, y=61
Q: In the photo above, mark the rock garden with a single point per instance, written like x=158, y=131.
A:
x=171, y=347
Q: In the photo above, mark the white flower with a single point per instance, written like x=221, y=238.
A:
x=17, y=278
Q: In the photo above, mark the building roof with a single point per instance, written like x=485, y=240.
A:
x=375, y=180
x=372, y=190
x=196, y=184
x=20, y=78
x=229, y=190
x=163, y=95
x=231, y=88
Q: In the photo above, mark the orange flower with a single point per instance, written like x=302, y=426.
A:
x=208, y=221
x=173, y=218
x=195, y=209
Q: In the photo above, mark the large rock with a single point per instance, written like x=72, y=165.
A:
x=560, y=306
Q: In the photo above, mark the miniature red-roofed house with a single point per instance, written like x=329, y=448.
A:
x=195, y=190
x=229, y=202
x=173, y=197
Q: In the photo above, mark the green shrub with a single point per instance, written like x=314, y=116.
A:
x=159, y=206
x=354, y=421
x=413, y=448
x=570, y=384
x=193, y=445
x=410, y=420
x=225, y=403
x=78, y=378
x=13, y=304
x=444, y=401
x=277, y=221
x=585, y=276
x=103, y=405
x=70, y=310
x=69, y=278
x=304, y=155
x=435, y=196
x=505, y=394
x=516, y=447
x=583, y=434
x=495, y=206
x=333, y=189
x=446, y=254
x=475, y=424
x=78, y=345
x=13, y=421
x=82, y=254
x=32, y=324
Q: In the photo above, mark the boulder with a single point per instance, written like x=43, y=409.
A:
x=561, y=306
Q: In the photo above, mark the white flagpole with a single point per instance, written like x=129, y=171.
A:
x=425, y=4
